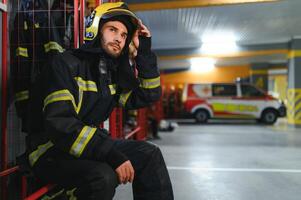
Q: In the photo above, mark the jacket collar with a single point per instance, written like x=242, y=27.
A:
x=125, y=74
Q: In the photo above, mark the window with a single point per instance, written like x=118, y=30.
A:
x=251, y=91
x=224, y=90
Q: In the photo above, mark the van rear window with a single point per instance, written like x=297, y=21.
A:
x=250, y=91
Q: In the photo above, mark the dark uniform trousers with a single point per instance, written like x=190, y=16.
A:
x=95, y=180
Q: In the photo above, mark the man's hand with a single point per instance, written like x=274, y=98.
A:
x=142, y=31
x=125, y=172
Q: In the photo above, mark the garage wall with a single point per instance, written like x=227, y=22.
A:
x=278, y=86
x=217, y=75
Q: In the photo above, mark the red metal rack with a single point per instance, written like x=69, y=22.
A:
x=4, y=146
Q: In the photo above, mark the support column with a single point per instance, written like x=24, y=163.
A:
x=259, y=75
x=294, y=84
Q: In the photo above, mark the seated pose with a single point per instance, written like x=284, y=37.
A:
x=76, y=91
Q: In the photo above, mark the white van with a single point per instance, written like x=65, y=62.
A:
x=231, y=100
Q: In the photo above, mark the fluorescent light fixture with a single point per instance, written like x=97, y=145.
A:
x=219, y=43
x=202, y=65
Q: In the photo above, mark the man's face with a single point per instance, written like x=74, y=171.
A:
x=113, y=37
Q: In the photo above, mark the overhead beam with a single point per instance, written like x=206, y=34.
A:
x=225, y=56
x=175, y=4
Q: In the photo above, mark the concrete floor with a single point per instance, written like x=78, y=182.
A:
x=226, y=160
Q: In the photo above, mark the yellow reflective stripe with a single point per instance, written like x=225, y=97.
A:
x=20, y=96
x=149, y=83
x=61, y=95
x=82, y=140
x=53, y=46
x=37, y=25
x=86, y=85
x=35, y=155
x=71, y=195
x=112, y=89
x=234, y=107
x=124, y=97
x=25, y=25
x=22, y=51
x=53, y=196
x=80, y=100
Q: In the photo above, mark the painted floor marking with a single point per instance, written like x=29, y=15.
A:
x=234, y=169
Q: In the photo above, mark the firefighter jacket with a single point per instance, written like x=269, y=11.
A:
x=34, y=39
x=75, y=93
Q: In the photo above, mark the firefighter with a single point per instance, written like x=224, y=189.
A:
x=76, y=91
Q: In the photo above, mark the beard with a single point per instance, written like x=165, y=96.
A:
x=113, y=49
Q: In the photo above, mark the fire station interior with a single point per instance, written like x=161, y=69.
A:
x=229, y=118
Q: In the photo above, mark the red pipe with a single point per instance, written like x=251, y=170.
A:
x=40, y=192
x=9, y=171
x=4, y=156
x=115, y=121
x=119, y=126
x=81, y=21
x=131, y=134
x=75, y=23
x=112, y=124
x=141, y=120
x=23, y=187
x=4, y=90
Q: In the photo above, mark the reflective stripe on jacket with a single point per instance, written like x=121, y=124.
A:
x=71, y=98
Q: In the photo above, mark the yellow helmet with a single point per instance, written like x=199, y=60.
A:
x=106, y=11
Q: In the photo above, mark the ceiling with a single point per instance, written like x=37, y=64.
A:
x=262, y=31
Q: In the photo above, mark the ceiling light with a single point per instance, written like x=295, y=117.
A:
x=202, y=64
x=219, y=43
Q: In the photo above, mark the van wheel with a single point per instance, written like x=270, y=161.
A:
x=269, y=117
x=201, y=116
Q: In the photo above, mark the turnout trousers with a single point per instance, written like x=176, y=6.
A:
x=94, y=180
